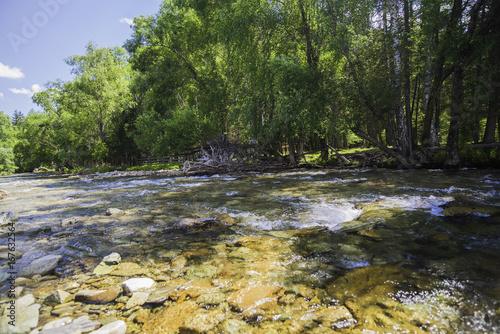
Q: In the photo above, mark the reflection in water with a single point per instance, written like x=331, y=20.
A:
x=402, y=251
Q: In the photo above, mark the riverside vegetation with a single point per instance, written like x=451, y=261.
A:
x=417, y=79
x=329, y=251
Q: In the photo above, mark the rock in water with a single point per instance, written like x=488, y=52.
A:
x=259, y=296
x=7, y=217
x=226, y=219
x=108, y=264
x=41, y=266
x=113, y=258
x=114, y=211
x=96, y=296
x=58, y=297
x=80, y=325
x=188, y=223
x=138, y=284
x=115, y=327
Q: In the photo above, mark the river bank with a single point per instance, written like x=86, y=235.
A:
x=303, y=251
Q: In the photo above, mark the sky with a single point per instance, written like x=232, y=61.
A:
x=37, y=35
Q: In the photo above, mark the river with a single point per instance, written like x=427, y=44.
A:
x=395, y=251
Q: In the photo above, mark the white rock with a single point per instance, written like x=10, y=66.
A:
x=116, y=327
x=138, y=284
x=80, y=325
x=24, y=320
x=25, y=301
x=57, y=323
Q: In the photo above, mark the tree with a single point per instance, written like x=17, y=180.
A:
x=83, y=114
x=7, y=142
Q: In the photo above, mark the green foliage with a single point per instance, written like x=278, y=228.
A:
x=7, y=142
x=269, y=72
x=171, y=166
x=160, y=136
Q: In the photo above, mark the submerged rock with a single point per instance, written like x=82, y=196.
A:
x=171, y=319
x=128, y=269
x=478, y=210
x=188, y=223
x=369, y=293
x=226, y=219
x=215, y=298
x=235, y=326
x=200, y=272
x=41, y=266
x=252, y=297
x=202, y=323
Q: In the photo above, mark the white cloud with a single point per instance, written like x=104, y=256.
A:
x=1, y=95
x=34, y=89
x=127, y=21
x=10, y=72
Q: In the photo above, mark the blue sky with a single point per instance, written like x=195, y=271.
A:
x=37, y=35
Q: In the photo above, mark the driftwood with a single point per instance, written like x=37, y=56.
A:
x=222, y=155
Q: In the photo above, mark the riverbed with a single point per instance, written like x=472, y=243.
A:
x=301, y=251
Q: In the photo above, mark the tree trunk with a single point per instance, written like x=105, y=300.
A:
x=324, y=149
x=403, y=139
x=452, y=156
x=291, y=151
x=491, y=122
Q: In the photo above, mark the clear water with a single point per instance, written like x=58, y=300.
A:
x=450, y=266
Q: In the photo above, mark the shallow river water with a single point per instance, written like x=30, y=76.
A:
x=375, y=251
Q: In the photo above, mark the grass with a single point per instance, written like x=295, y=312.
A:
x=171, y=166
x=108, y=168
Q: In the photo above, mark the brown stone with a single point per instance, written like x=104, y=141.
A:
x=96, y=296
x=264, y=297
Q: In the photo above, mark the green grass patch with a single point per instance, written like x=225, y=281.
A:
x=171, y=166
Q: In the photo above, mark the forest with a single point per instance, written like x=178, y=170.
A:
x=419, y=80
